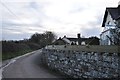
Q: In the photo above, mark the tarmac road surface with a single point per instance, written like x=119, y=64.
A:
x=27, y=66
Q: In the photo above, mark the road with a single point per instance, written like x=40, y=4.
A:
x=28, y=67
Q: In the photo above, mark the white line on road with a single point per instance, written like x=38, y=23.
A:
x=0, y=74
x=11, y=61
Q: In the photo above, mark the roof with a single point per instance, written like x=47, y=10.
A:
x=114, y=12
x=73, y=39
x=83, y=39
x=59, y=42
x=76, y=39
x=90, y=40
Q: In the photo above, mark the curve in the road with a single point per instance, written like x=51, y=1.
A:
x=28, y=66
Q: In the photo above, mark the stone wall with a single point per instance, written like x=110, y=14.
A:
x=81, y=64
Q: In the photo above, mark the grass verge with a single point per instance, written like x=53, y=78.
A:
x=10, y=55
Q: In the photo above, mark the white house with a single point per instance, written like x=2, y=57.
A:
x=110, y=21
x=71, y=40
x=75, y=41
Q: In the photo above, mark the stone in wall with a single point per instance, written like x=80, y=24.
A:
x=82, y=64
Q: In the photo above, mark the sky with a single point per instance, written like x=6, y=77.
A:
x=22, y=18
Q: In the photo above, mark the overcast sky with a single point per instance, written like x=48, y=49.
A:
x=22, y=18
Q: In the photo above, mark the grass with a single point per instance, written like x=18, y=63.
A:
x=0, y=57
x=10, y=55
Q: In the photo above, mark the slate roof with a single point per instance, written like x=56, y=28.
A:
x=114, y=12
x=60, y=41
x=76, y=39
x=73, y=39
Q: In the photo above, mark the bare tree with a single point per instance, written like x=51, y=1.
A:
x=117, y=33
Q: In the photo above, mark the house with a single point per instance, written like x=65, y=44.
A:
x=111, y=25
x=77, y=41
x=59, y=41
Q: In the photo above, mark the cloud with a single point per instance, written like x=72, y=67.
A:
x=64, y=17
x=34, y=5
x=91, y=32
x=8, y=36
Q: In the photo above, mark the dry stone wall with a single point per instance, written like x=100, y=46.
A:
x=82, y=64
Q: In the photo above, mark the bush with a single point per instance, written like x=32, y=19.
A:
x=33, y=46
x=11, y=49
x=8, y=47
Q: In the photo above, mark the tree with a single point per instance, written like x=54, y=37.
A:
x=93, y=41
x=49, y=37
x=35, y=38
x=117, y=32
x=115, y=39
x=43, y=39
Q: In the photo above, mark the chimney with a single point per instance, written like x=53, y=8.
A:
x=78, y=35
x=64, y=36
